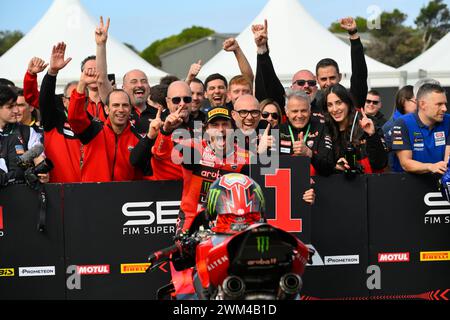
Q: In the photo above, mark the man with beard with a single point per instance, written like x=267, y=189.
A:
x=267, y=84
x=135, y=83
x=179, y=99
x=107, y=145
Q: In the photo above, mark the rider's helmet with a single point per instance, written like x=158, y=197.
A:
x=234, y=202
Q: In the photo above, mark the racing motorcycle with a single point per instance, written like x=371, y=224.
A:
x=235, y=255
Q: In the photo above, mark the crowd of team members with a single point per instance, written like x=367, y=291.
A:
x=180, y=130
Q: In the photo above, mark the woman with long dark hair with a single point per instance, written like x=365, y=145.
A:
x=358, y=146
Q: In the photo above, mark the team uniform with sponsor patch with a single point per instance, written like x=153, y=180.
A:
x=198, y=175
x=61, y=144
x=316, y=138
x=427, y=145
x=107, y=154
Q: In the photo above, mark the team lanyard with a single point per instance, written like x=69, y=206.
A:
x=304, y=138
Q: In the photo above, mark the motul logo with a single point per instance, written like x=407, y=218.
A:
x=393, y=257
x=93, y=270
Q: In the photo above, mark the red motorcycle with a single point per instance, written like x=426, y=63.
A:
x=237, y=256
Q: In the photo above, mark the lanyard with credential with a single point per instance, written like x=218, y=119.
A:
x=304, y=138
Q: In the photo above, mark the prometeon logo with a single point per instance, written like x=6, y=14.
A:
x=393, y=257
x=435, y=256
x=93, y=270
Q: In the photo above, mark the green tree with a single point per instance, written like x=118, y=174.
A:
x=394, y=44
x=157, y=48
x=8, y=39
x=361, y=23
x=434, y=22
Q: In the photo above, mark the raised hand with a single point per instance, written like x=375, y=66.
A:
x=155, y=126
x=173, y=121
x=36, y=66
x=300, y=148
x=266, y=141
x=194, y=70
x=101, y=32
x=348, y=24
x=57, y=60
x=367, y=124
x=89, y=76
x=230, y=45
x=260, y=33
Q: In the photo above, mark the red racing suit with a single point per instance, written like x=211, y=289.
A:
x=200, y=169
x=106, y=154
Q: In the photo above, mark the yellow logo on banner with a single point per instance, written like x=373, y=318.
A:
x=435, y=256
x=7, y=272
x=134, y=268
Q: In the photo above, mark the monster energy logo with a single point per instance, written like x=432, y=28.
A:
x=263, y=244
x=212, y=200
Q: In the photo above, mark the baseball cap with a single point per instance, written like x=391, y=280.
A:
x=218, y=112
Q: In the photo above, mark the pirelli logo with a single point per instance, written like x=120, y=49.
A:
x=435, y=256
x=218, y=111
x=7, y=272
x=134, y=268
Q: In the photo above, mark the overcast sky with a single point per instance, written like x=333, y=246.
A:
x=140, y=22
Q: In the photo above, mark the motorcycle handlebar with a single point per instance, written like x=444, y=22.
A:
x=163, y=253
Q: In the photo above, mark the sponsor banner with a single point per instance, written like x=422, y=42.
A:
x=393, y=257
x=7, y=272
x=37, y=271
x=435, y=256
x=341, y=260
x=134, y=268
x=93, y=269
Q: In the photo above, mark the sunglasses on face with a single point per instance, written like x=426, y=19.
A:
x=301, y=83
x=245, y=113
x=375, y=103
x=177, y=100
x=266, y=115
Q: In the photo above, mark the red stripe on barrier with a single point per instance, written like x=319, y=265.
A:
x=1, y=217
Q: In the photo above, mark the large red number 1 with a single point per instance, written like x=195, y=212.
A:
x=281, y=181
x=1, y=218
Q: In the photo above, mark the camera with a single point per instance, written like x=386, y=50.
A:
x=32, y=171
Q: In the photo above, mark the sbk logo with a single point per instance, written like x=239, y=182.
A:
x=162, y=215
x=439, y=204
x=393, y=257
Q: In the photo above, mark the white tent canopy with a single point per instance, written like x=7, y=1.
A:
x=68, y=21
x=433, y=63
x=297, y=41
